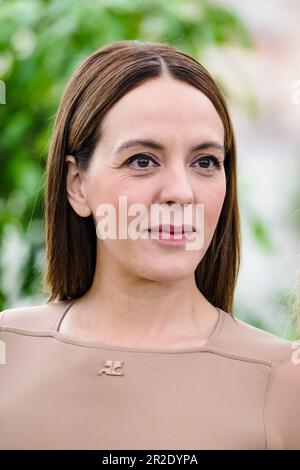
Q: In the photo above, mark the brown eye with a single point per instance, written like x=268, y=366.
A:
x=205, y=161
x=142, y=160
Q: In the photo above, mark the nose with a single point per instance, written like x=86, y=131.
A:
x=176, y=187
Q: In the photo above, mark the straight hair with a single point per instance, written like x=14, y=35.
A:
x=100, y=81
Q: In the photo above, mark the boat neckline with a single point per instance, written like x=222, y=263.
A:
x=98, y=345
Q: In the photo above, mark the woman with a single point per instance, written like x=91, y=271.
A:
x=137, y=346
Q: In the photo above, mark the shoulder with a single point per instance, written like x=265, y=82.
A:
x=35, y=318
x=282, y=404
x=239, y=338
x=280, y=359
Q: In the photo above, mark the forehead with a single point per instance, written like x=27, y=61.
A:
x=160, y=107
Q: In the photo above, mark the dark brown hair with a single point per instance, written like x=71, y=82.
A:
x=100, y=81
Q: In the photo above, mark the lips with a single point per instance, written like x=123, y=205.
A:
x=173, y=229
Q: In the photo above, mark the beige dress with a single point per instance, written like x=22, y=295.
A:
x=239, y=391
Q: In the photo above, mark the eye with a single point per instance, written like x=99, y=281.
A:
x=206, y=160
x=142, y=160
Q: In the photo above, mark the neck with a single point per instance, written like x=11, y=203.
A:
x=135, y=310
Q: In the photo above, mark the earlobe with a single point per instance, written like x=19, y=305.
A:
x=74, y=184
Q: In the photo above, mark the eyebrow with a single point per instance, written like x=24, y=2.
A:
x=157, y=146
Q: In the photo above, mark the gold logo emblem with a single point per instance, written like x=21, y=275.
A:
x=110, y=368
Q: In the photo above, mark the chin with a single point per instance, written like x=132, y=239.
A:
x=170, y=272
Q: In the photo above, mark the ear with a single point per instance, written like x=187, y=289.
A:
x=74, y=184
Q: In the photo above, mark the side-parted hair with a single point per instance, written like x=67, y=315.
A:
x=100, y=81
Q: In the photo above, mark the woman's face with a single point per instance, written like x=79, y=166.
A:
x=178, y=117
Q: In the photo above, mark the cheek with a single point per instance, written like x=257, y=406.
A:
x=107, y=189
x=100, y=192
x=213, y=199
x=121, y=195
x=210, y=193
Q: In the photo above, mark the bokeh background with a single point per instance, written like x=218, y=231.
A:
x=253, y=51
